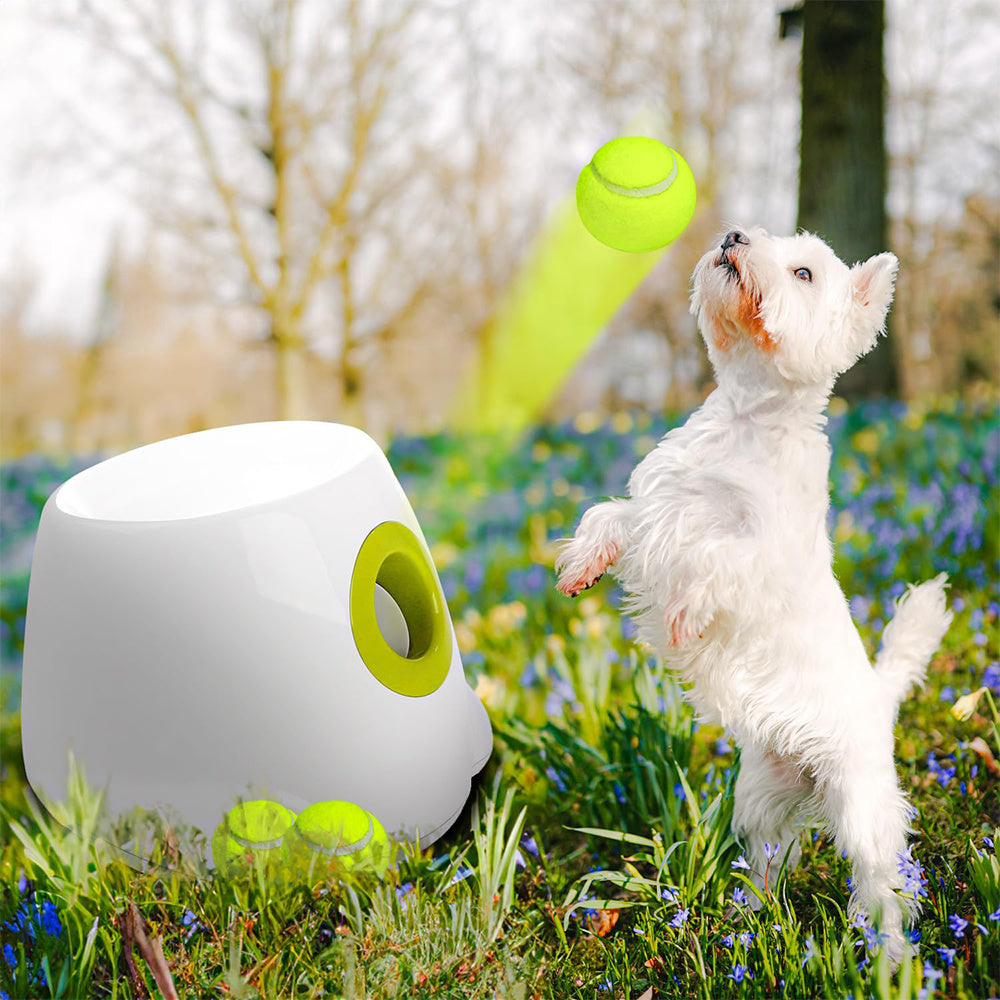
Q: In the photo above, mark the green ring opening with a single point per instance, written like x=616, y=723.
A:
x=393, y=557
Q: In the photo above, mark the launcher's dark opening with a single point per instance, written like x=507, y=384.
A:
x=401, y=578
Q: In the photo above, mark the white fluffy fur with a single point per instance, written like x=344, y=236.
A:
x=722, y=551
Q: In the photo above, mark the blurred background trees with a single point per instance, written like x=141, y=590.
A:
x=219, y=212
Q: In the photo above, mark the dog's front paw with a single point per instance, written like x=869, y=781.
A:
x=579, y=571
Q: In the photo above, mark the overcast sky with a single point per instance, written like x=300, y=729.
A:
x=57, y=222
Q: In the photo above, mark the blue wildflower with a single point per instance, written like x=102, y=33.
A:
x=739, y=896
x=991, y=677
x=746, y=937
x=948, y=954
x=771, y=852
x=50, y=919
x=680, y=917
x=728, y=940
x=811, y=951
x=914, y=879
x=957, y=925
x=739, y=973
x=995, y=915
x=741, y=862
x=9, y=956
x=556, y=778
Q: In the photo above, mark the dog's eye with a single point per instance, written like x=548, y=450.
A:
x=803, y=274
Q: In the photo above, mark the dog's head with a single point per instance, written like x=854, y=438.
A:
x=790, y=301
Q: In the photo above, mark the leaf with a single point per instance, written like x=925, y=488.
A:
x=616, y=835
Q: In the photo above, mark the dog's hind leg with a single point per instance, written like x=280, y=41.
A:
x=867, y=813
x=770, y=793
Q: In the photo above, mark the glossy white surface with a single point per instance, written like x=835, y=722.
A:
x=194, y=648
x=209, y=472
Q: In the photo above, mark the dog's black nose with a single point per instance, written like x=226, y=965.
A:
x=733, y=237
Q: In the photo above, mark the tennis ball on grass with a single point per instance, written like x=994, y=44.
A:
x=253, y=834
x=339, y=835
x=635, y=194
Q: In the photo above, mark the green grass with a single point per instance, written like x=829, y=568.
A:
x=595, y=858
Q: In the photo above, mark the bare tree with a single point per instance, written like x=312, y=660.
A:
x=282, y=139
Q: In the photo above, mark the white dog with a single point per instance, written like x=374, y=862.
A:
x=723, y=553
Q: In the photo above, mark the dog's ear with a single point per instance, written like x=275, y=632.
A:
x=871, y=285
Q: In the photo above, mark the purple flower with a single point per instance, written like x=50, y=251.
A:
x=739, y=896
x=739, y=973
x=873, y=938
x=912, y=871
x=771, y=852
x=741, y=862
x=530, y=844
x=9, y=956
x=991, y=677
x=811, y=951
x=948, y=954
x=995, y=915
x=957, y=924
x=728, y=940
x=745, y=938
x=556, y=778
x=680, y=917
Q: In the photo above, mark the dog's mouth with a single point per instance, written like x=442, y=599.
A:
x=727, y=262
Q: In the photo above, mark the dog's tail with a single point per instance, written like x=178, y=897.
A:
x=911, y=638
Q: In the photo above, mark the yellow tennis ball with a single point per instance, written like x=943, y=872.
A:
x=253, y=834
x=636, y=194
x=337, y=835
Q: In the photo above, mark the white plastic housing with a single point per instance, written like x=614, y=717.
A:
x=189, y=636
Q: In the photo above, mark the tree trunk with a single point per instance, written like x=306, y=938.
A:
x=842, y=172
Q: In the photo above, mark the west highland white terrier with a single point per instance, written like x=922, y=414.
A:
x=723, y=554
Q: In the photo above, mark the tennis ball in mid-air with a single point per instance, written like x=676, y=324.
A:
x=336, y=835
x=635, y=194
x=253, y=834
